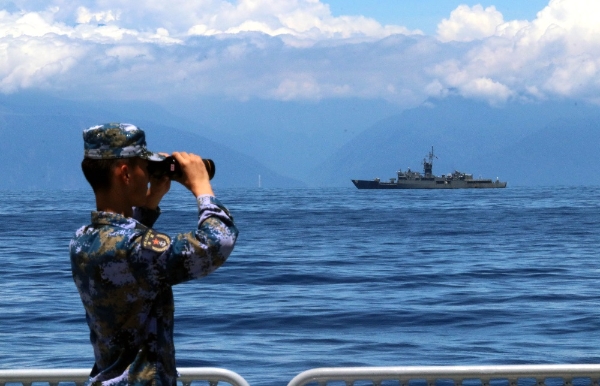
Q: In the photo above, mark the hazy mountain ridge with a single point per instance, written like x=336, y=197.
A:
x=551, y=143
x=290, y=137
x=42, y=146
x=476, y=138
x=564, y=152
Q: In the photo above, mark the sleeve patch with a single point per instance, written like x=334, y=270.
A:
x=154, y=241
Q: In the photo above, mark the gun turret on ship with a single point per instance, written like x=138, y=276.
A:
x=415, y=180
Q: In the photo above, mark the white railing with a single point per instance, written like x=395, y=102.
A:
x=79, y=376
x=457, y=374
x=348, y=375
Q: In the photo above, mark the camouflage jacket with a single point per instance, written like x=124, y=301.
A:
x=124, y=271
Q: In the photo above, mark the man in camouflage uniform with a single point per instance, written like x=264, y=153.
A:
x=124, y=270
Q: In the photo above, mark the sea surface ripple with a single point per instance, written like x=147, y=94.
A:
x=335, y=277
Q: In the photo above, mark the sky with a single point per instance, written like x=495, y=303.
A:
x=426, y=14
x=402, y=51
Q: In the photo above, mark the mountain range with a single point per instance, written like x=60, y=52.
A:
x=42, y=145
x=524, y=143
x=528, y=144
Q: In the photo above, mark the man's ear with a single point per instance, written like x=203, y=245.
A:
x=122, y=172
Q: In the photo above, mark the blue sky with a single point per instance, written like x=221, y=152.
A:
x=426, y=14
x=403, y=52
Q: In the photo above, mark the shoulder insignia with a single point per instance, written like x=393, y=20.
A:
x=157, y=242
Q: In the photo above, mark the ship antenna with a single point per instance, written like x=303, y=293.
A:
x=428, y=166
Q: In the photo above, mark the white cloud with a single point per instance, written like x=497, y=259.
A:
x=31, y=24
x=306, y=19
x=487, y=89
x=127, y=52
x=84, y=15
x=576, y=76
x=557, y=54
x=35, y=63
x=470, y=23
x=309, y=19
x=298, y=87
x=296, y=49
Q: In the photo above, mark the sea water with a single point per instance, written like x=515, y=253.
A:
x=335, y=277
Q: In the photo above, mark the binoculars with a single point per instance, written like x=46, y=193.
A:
x=171, y=168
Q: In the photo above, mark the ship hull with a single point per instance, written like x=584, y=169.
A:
x=429, y=184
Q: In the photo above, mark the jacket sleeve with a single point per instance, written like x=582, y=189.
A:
x=195, y=254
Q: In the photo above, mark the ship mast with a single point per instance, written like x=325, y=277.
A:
x=428, y=166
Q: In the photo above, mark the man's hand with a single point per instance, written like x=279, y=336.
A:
x=158, y=188
x=194, y=175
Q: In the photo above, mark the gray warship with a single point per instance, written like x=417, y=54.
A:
x=416, y=180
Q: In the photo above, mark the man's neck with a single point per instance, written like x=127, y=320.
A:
x=113, y=202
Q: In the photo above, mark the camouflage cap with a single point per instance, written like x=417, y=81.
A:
x=116, y=140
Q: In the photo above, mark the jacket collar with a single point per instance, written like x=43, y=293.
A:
x=114, y=219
